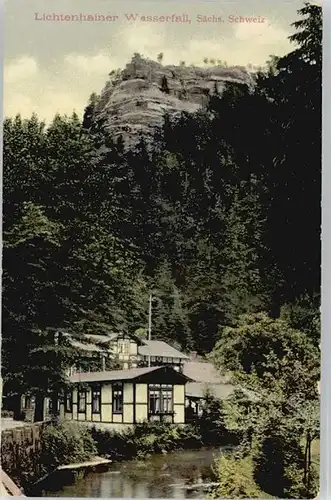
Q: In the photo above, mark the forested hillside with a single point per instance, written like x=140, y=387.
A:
x=219, y=218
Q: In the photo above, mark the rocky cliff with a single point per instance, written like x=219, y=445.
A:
x=135, y=100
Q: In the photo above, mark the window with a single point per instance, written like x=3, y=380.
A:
x=82, y=401
x=68, y=402
x=167, y=400
x=154, y=400
x=117, y=398
x=160, y=399
x=51, y=407
x=124, y=347
x=96, y=399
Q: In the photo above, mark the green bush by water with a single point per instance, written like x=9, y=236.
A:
x=146, y=439
x=236, y=478
x=66, y=443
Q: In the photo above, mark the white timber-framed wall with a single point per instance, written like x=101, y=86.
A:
x=109, y=399
x=125, y=347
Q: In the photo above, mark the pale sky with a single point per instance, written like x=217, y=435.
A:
x=54, y=66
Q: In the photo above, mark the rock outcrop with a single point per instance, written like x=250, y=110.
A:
x=135, y=100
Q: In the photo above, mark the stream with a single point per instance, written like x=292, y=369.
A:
x=161, y=476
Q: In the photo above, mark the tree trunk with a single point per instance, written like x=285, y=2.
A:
x=55, y=402
x=306, y=462
x=39, y=409
x=16, y=407
x=309, y=460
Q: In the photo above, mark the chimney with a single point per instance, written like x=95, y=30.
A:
x=193, y=355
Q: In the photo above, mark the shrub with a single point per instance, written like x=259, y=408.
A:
x=66, y=443
x=235, y=477
x=211, y=424
x=279, y=466
x=145, y=439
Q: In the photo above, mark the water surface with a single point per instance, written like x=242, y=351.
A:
x=161, y=476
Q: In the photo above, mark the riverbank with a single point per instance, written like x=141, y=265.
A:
x=138, y=445
x=178, y=474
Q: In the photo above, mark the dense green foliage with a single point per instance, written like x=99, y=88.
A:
x=213, y=218
x=218, y=217
x=280, y=367
x=236, y=478
x=66, y=443
x=146, y=439
x=278, y=359
x=63, y=269
x=211, y=424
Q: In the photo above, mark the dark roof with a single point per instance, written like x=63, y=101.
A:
x=158, y=348
x=131, y=374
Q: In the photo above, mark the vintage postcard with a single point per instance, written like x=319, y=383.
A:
x=161, y=249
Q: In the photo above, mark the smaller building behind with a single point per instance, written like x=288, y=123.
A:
x=98, y=352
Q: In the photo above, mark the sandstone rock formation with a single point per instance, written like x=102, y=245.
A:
x=135, y=100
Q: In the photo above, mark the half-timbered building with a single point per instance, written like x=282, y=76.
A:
x=121, y=398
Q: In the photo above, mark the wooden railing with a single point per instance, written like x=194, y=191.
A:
x=9, y=485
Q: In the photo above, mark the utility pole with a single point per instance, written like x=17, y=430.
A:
x=55, y=394
x=150, y=325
